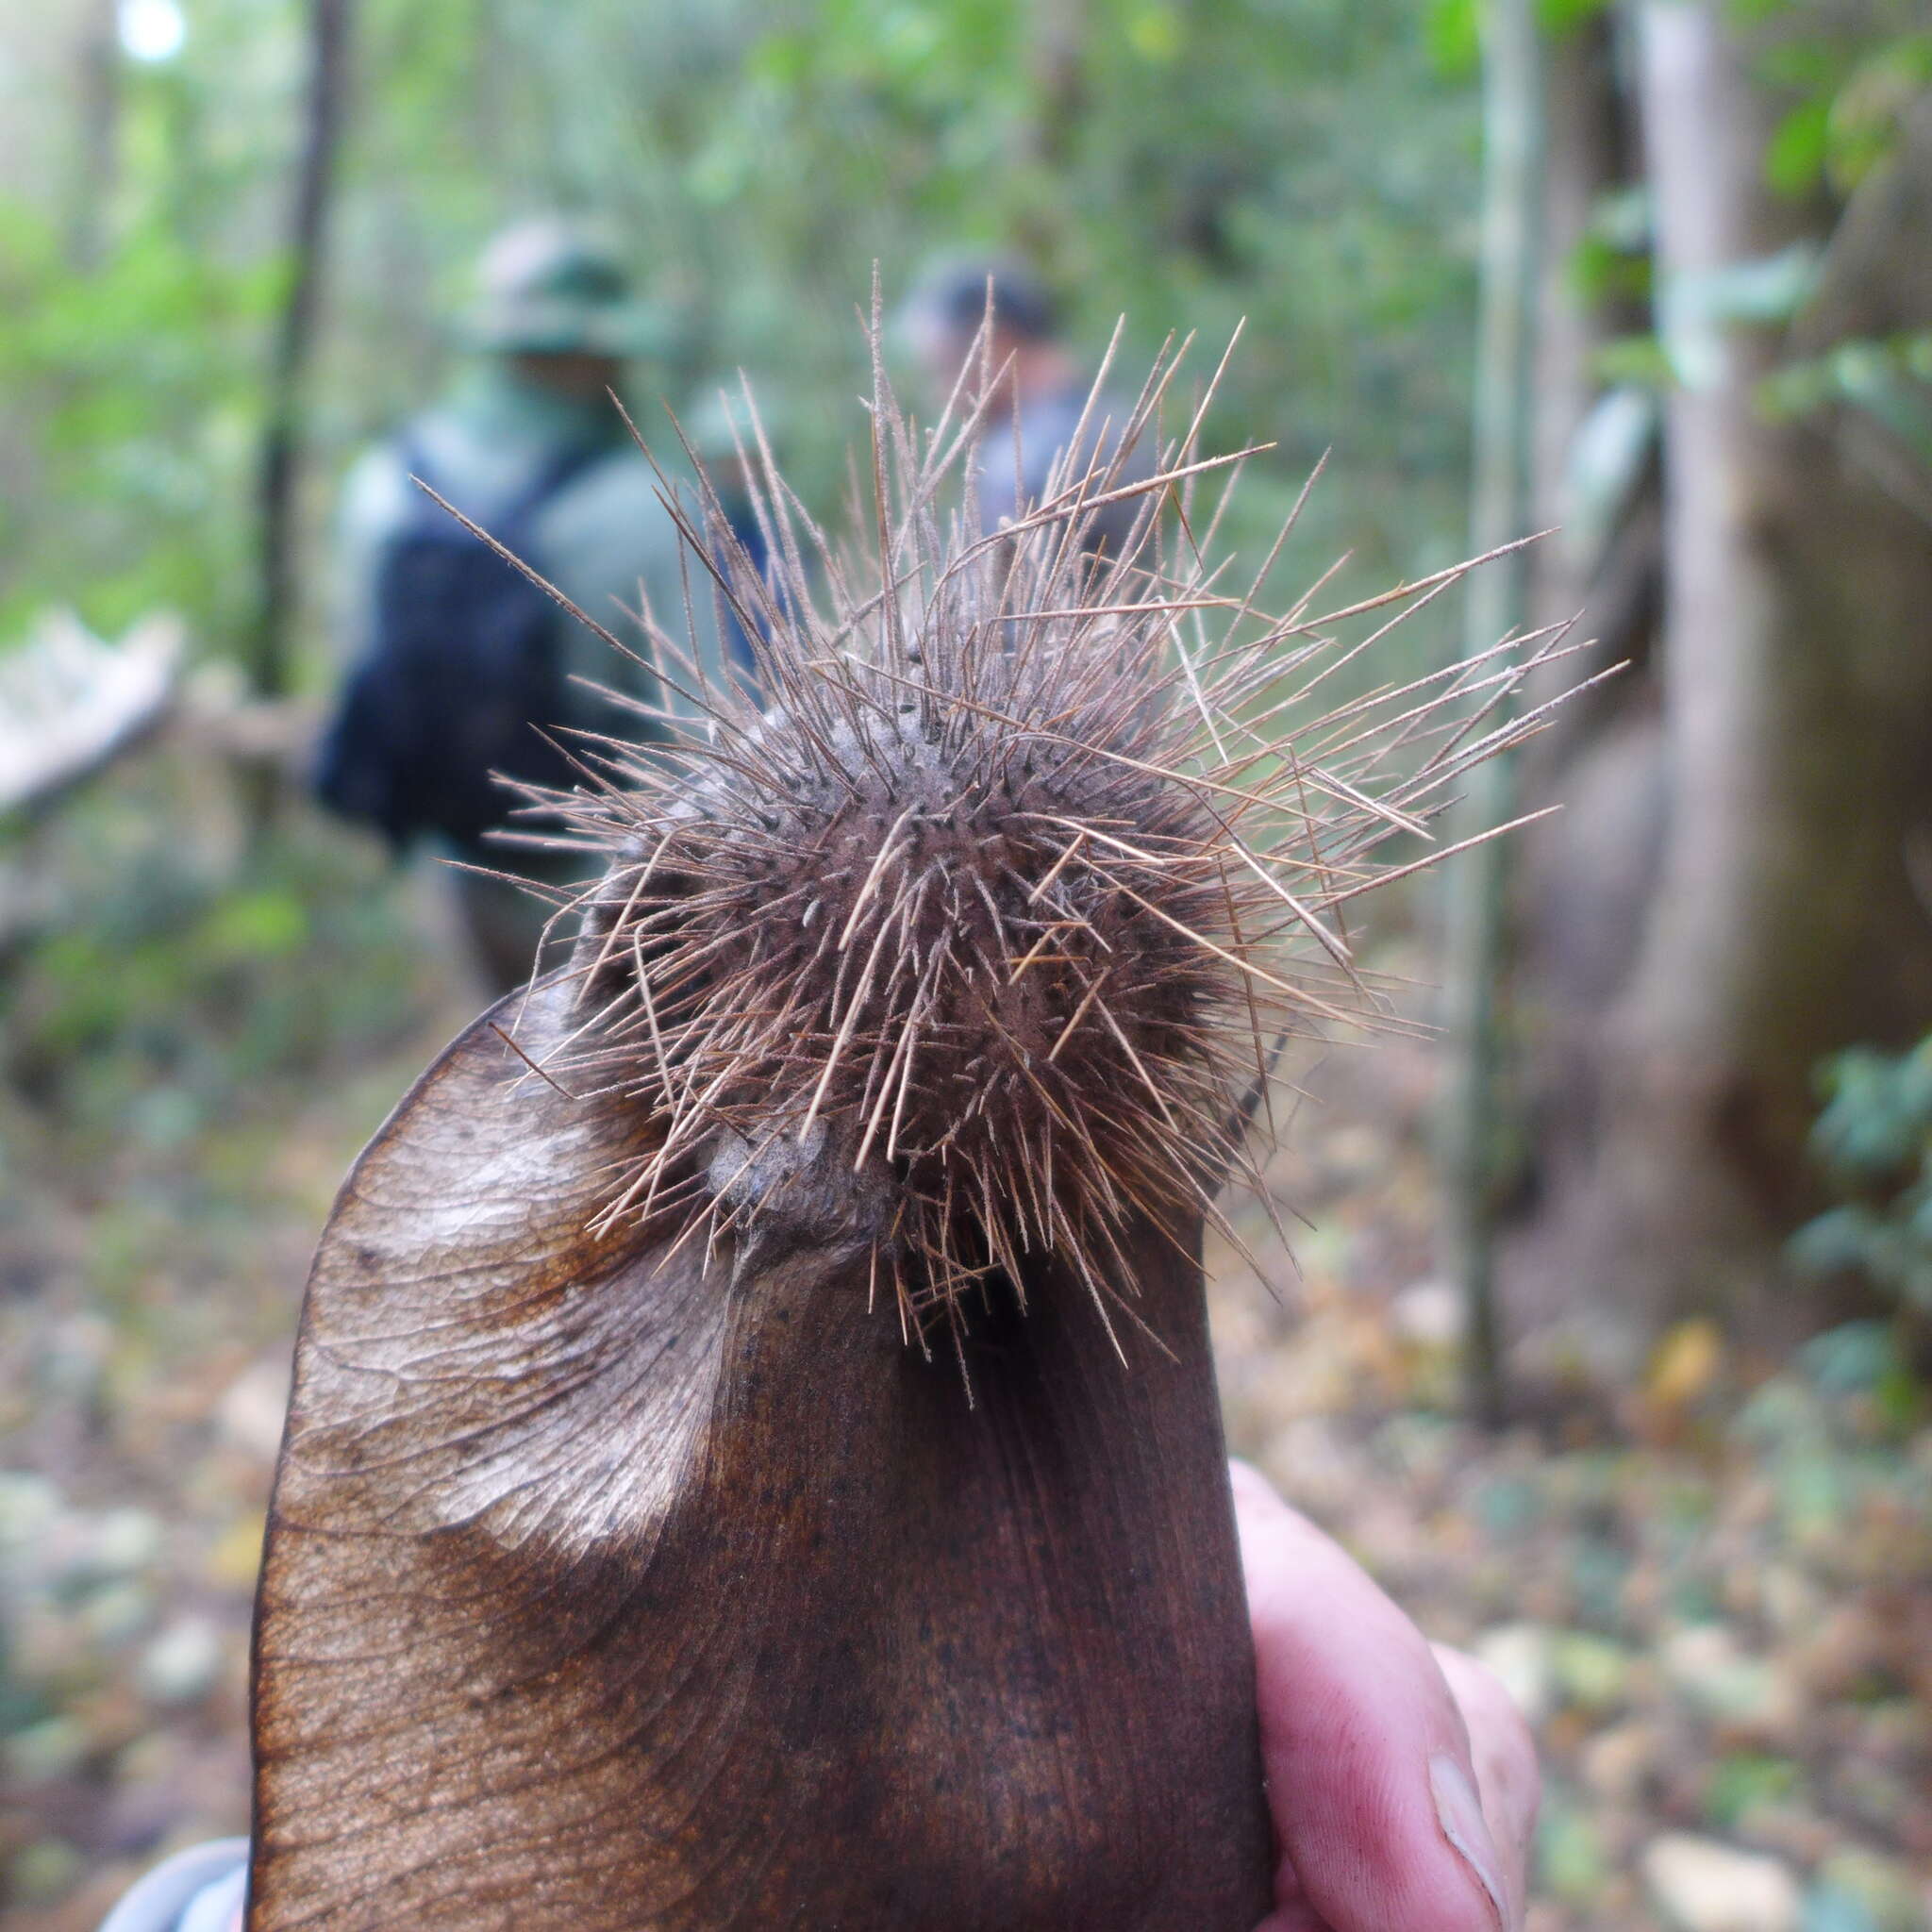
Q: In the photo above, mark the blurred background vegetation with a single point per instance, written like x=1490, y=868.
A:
x=1699, y=1545
x=1190, y=166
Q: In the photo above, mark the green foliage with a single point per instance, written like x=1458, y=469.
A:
x=1796, y=156
x=1305, y=165
x=1889, y=381
x=1566, y=16
x=1847, y=78
x=185, y=985
x=1638, y=360
x=1453, y=29
x=132, y=329
x=132, y=495
x=1874, y=1140
x=1612, y=262
x=1297, y=165
x=1864, y=1362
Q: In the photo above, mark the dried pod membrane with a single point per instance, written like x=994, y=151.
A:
x=631, y=1562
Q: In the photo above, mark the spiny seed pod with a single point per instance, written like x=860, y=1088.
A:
x=630, y=1564
x=1003, y=895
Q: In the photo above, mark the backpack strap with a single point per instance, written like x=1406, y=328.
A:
x=508, y=519
x=564, y=469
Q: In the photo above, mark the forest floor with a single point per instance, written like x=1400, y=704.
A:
x=1715, y=1606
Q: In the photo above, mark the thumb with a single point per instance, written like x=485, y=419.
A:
x=1378, y=1811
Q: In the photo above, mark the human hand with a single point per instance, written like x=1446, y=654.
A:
x=1402, y=1781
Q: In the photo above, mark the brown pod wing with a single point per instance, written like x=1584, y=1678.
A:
x=607, y=1589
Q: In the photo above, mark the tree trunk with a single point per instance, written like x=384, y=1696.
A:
x=1470, y=1130
x=97, y=145
x=1580, y=163
x=268, y=652
x=1583, y=875
x=1587, y=155
x=1797, y=753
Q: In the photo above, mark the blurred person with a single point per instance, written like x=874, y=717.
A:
x=459, y=665
x=1402, y=1781
x=1036, y=406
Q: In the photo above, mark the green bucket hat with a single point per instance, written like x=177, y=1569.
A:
x=550, y=288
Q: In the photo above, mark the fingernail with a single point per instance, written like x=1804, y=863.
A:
x=1460, y=1812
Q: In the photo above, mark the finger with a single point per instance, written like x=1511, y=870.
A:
x=1374, y=1795
x=1504, y=1754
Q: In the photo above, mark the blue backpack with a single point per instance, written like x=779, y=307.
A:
x=457, y=680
